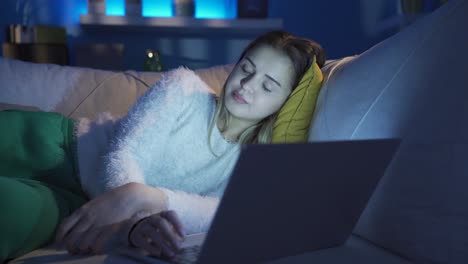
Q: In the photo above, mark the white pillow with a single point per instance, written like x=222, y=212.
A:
x=39, y=85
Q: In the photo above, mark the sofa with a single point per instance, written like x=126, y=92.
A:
x=412, y=85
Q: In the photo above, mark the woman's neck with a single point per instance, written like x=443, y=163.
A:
x=235, y=129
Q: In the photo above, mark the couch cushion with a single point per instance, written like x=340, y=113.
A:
x=355, y=250
x=83, y=92
x=63, y=89
x=118, y=91
x=413, y=86
x=103, y=91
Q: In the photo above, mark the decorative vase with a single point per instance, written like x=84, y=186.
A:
x=97, y=7
x=183, y=8
x=133, y=8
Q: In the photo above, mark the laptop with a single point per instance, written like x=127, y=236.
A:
x=289, y=199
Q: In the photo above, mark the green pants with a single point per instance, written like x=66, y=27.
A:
x=39, y=185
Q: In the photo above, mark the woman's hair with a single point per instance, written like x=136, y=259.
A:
x=300, y=51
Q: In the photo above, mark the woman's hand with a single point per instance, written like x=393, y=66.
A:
x=159, y=234
x=85, y=225
x=99, y=239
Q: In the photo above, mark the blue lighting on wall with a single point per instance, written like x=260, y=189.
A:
x=115, y=7
x=81, y=9
x=214, y=8
x=159, y=8
x=163, y=8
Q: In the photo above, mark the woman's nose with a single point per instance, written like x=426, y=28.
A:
x=247, y=85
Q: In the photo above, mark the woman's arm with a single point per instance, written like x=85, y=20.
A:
x=88, y=224
x=143, y=136
x=95, y=223
x=195, y=211
x=93, y=139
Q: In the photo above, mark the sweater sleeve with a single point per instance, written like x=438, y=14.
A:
x=142, y=136
x=195, y=211
x=93, y=139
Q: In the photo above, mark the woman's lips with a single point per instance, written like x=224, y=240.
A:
x=238, y=98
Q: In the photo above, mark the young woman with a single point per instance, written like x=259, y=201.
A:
x=170, y=158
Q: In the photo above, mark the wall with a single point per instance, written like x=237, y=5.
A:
x=337, y=25
x=342, y=27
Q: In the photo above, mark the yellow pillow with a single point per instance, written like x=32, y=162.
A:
x=293, y=121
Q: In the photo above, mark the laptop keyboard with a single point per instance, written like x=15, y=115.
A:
x=191, y=247
x=187, y=255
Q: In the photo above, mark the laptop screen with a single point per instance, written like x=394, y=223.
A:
x=287, y=199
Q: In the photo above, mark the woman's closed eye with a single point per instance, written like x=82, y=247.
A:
x=247, y=68
x=266, y=88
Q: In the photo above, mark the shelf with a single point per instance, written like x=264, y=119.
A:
x=181, y=23
x=37, y=52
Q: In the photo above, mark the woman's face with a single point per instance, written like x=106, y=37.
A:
x=259, y=84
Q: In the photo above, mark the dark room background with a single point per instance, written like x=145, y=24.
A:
x=343, y=27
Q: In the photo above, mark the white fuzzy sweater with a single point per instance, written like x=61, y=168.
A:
x=162, y=142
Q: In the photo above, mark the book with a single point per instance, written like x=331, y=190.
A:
x=38, y=53
x=38, y=34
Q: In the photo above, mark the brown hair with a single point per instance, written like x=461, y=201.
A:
x=301, y=51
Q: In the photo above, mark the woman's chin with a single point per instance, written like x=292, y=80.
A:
x=235, y=109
